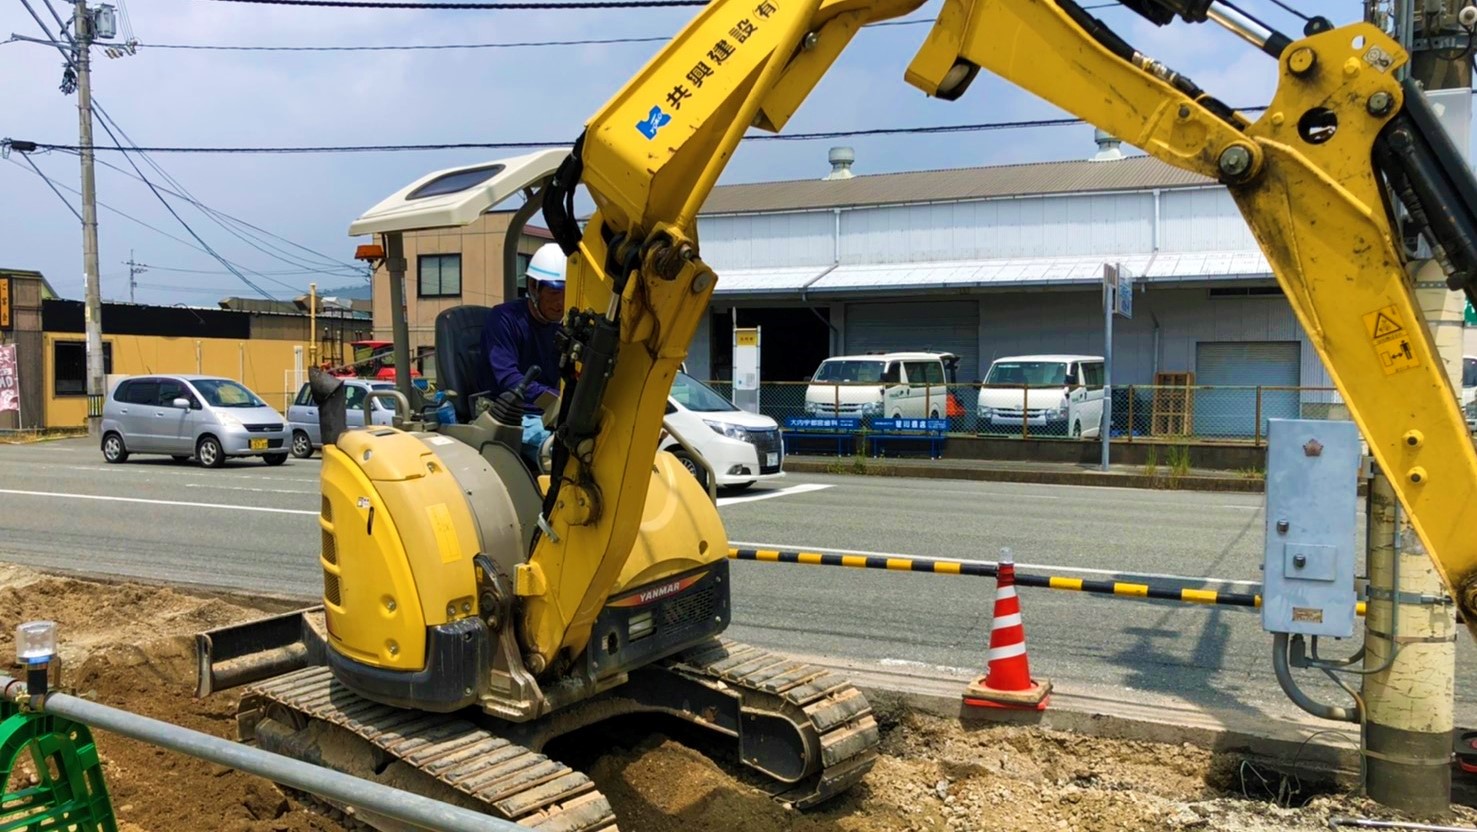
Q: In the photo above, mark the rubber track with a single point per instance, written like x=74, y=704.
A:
x=837, y=714
x=506, y=779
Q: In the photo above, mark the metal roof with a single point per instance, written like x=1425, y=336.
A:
x=1130, y=174
x=1001, y=273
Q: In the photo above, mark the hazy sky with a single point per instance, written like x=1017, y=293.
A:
x=211, y=98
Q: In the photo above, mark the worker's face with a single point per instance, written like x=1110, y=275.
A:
x=548, y=300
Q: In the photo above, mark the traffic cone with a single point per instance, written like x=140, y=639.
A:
x=1008, y=683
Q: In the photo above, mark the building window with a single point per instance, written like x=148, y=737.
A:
x=69, y=366
x=440, y=275
x=523, y=261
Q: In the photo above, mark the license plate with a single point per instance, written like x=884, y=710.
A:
x=258, y=444
x=771, y=460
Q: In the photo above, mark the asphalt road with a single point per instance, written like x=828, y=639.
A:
x=252, y=527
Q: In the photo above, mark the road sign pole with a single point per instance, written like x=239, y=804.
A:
x=1110, y=301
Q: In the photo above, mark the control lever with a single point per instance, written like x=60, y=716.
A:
x=509, y=407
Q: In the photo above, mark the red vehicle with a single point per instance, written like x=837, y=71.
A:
x=372, y=359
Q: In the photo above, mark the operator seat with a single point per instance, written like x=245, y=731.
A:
x=459, y=358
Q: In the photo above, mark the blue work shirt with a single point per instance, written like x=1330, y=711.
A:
x=512, y=342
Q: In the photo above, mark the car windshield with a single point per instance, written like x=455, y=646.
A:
x=1028, y=373
x=698, y=397
x=842, y=372
x=220, y=392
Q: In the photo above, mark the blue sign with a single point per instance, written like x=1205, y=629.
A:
x=911, y=424
x=652, y=123
x=823, y=423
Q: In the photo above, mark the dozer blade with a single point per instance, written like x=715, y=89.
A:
x=244, y=653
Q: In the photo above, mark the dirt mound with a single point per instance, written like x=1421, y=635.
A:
x=131, y=647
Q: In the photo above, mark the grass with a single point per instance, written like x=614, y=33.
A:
x=1178, y=460
x=1151, y=462
x=1256, y=472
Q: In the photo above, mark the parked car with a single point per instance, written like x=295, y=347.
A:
x=1061, y=394
x=897, y=384
x=1469, y=379
x=302, y=414
x=186, y=416
x=742, y=447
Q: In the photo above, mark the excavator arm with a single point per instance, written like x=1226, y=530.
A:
x=1312, y=177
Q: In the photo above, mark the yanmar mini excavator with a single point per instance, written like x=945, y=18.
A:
x=473, y=609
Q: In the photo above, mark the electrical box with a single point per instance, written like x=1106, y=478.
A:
x=1312, y=501
x=105, y=22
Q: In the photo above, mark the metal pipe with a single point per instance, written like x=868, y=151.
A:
x=1268, y=40
x=1370, y=823
x=405, y=807
x=399, y=327
x=1290, y=687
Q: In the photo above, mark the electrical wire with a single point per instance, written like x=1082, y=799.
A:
x=1231, y=4
x=52, y=185
x=1290, y=10
x=440, y=6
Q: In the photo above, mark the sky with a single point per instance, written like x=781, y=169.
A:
x=172, y=97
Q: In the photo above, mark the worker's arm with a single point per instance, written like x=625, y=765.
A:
x=501, y=341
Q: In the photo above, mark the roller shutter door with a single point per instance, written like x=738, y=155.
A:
x=904, y=327
x=1241, y=366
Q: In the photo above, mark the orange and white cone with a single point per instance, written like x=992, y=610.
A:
x=1008, y=683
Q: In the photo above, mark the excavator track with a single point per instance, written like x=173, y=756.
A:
x=833, y=718
x=806, y=710
x=488, y=772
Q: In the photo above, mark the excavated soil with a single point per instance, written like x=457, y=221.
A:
x=131, y=646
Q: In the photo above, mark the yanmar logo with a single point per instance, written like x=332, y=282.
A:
x=656, y=593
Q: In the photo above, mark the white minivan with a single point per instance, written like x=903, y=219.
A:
x=742, y=447
x=1062, y=395
x=895, y=384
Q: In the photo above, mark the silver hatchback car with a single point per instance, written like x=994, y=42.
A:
x=184, y=416
x=302, y=414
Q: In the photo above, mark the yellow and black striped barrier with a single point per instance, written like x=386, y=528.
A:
x=900, y=563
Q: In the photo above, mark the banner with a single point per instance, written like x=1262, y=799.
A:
x=10, y=385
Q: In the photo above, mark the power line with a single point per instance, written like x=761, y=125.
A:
x=515, y=6
x=52, y=185
x=1290, y=10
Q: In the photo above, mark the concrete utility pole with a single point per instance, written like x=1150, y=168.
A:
x=312, y=324
x=93, y=313
x=1409, y=642
x=134, y=270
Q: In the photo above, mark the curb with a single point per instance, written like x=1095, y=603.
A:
x=924, y=470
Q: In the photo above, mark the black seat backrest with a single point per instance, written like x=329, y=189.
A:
x=459, y=360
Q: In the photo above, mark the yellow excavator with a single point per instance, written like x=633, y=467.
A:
x=474, y=609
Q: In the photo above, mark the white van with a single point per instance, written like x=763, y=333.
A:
x=1065, y=395
x=896, y=384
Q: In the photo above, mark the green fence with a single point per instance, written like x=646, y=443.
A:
x=1140, y=413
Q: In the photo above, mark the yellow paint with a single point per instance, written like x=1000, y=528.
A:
x=1066, y=583
x=855, y=561
x=445, y=531
x=809, y=558
x=901, y=564
x=1199, y=596
x=263, y=366
x=767, y=555
x=746, y=338
x=1131, y=590
x=945, y=567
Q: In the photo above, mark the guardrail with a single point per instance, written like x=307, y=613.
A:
x=1158, y=591
x=1170, y=414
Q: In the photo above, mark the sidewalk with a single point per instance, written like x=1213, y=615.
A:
x=1051, y=473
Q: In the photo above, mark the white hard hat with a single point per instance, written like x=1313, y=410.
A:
x=547, y=266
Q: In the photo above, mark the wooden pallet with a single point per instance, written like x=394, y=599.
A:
x=1174, y=404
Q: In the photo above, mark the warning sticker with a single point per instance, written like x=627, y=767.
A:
x=1392, y=340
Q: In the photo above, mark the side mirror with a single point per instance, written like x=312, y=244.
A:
x=181, y=403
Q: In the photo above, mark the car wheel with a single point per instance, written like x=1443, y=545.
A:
x=898, y=414
x=180, y=457
x=274, y=459
x=1077, y=430
x=934, y=414
x=210, y=453
x=698, y=472
x=113, y=449
x=302, y=446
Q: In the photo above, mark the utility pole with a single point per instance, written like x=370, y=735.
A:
x=134, y=270
x=312, y=324
x=82, y=29
x=1410, y=642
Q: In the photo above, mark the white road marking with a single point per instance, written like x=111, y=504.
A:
x=769, y=495
x=177, y=472
x=1043, y=566
x=154, y=502
x=246, y=488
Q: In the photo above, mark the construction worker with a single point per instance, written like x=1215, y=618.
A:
x=519, y=335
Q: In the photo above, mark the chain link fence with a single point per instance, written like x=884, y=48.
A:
x=1140, y=412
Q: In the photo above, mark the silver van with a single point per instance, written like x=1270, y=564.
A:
x=184, y=416
x=302, y=414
